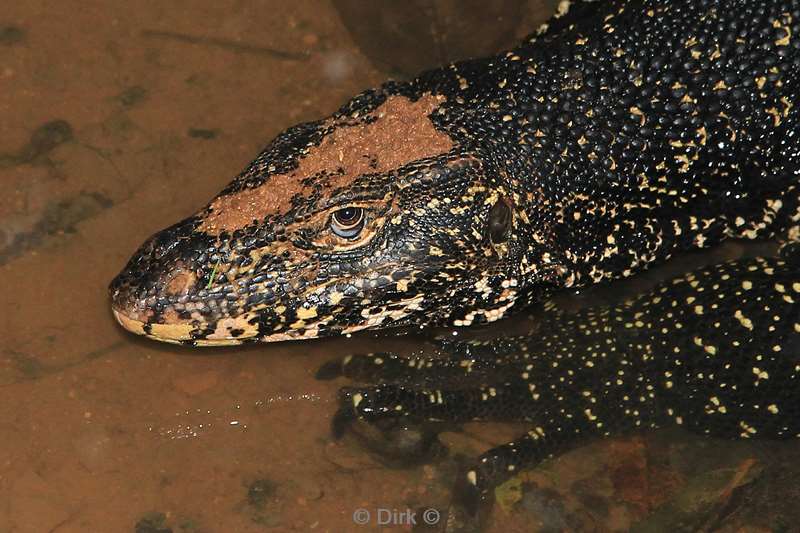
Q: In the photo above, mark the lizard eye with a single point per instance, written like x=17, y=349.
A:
x=348, y=222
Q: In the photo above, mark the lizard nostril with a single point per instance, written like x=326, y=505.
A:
x=499, y=221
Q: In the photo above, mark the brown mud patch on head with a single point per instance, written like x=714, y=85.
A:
x=401, y=133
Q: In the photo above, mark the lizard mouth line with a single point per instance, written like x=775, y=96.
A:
x=170, y=333
x=183, y=333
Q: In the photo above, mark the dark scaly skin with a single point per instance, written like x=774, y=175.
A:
x=716, y=351
x=626, y=132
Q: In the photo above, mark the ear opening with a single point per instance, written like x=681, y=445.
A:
x=501, y=217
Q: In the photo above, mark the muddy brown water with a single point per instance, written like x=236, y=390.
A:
x=119, y=119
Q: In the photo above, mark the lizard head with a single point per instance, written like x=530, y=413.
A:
x=373, y=218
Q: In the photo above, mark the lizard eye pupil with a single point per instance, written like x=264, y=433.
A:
x=348, y=222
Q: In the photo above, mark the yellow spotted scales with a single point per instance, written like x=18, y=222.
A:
x=621, y=133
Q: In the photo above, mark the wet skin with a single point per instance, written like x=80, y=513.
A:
x=621, y=134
